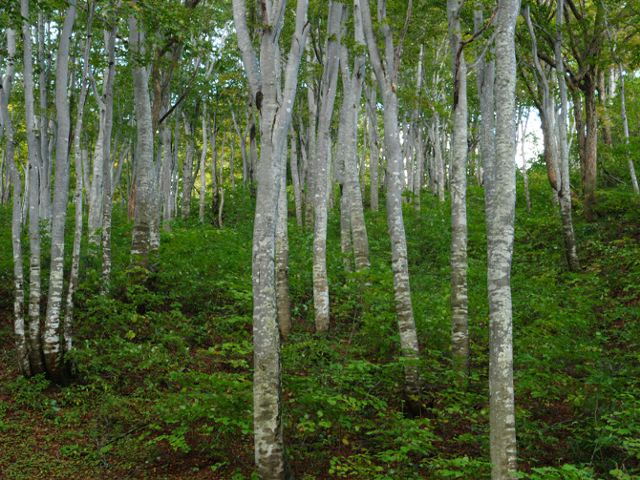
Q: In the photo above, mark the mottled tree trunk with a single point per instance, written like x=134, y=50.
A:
x=625, y=124
x=102, y=152
x=387, y=78
x=166, y=170
x=144, y=169
x=500, y=234
x=187, y=172
x=295, y=176
x=52, y=348
x=312, y=160
x=459, y=298
x=485, y=82
x=374, y=147
x=22, y=348
x=35, y=358
x=44, y=172
x=322, y=175
x=352, y=82
x=525, y=174
x=67, y=329
x=275, y=123
x=556, y=148
x=564, y=193
x=203, y=168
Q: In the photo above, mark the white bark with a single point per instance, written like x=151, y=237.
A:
x=52, y=345
x=22, y=348
x=102, y=152
x=276, y=107
x=352, y=82
x=374, y=146
x=525, y=174
x=500, y=234
x=35, y=359
x=322, y=163
x=625, y=124
x=203, y=167
x=564, y=195
x=44, y=209
x=387, y=79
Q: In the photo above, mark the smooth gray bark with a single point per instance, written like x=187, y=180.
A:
x=625, y=124
x=144, y=169
x=187, y=171
x=52, y=345
x=564, y=194
x=555, y=141
x=295, y=176
x=322, y=176
x=22, y=348
x=102, y=151
x=387, y=79
x=276, y=108
x=203, y=167
x=35, y=359
x=500, y=236
x=458, y=186
x=44, y=209
x=525, y=174
x=352, y=83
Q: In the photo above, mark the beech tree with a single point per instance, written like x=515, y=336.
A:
x=500, y=209
x=459, y=300
x=387, y=78
x=275, y=104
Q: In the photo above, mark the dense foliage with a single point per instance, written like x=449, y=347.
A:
x=163, y=384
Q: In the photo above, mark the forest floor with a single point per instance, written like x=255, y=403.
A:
x=163, y=371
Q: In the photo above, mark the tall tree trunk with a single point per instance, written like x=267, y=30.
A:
x=525, y=174
x=35, y=358
x=322, y=175
x=203, y=168
x=387, y=79
x=312, y=158
x=374, y=147
x=564, y=193
x=590, y=161
x=438, y=157
x=166, y=171
x=187, y=172
x=275, y=123
x=604, y=108
x=52, y=348
x=485, y=83
x=459, y=298
x=44, y=210
x=102, y=152
x=500, y=234
x=352, y=83
x=295, y=176
x=144, y=169
x=22, y=347
x=625, y=125
x=282, y=258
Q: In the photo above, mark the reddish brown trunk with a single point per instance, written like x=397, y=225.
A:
x=589, y=162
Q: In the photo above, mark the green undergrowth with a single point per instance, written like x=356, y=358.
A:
x=163, y=371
